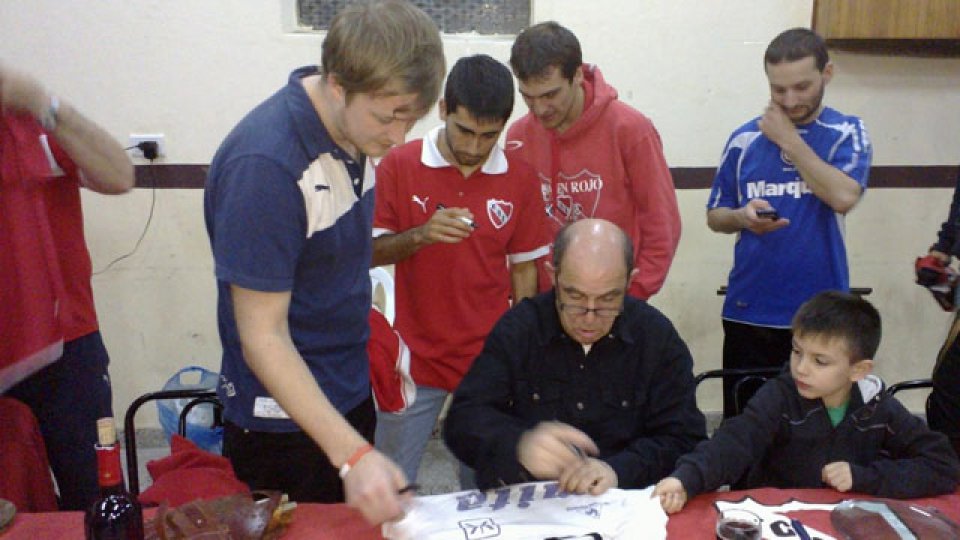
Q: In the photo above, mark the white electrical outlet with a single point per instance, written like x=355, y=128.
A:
x=137, y=138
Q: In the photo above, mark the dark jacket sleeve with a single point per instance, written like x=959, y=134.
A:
x=672, y=423
x=947, y=237
x=736, y=445
x=918, y=462
x=480, y=429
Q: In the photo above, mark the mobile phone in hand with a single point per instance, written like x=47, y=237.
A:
x=769, y=213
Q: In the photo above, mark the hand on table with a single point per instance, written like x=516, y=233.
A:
x=550, y=448
x=838, y=475
x=372, y=486
x=671, y=493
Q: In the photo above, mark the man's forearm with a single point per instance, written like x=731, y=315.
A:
x=269, y=351
x=523, y=278
x=393, y=248
x=105, y=164
x=829, y=184
x=725, y=220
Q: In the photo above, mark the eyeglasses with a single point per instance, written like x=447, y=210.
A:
x=581, y=311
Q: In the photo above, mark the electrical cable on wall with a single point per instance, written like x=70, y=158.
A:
x=149, y=150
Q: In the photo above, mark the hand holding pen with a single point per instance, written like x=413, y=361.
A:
x=447, y=225
x=553, y=450
x=466, y=218
x=587, y=474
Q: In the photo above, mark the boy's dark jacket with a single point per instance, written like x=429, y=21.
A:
x=784, y=440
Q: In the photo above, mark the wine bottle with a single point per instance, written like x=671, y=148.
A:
x=116, y=514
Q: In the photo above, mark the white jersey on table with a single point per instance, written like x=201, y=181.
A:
x=534, y=511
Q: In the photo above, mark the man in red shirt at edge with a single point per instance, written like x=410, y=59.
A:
x=596, y=156
x=52, y=356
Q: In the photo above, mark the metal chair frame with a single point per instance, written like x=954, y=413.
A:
x=859, y=291
x=742, y=376
x=908, y=385
x=912, y=384
x=130, y=433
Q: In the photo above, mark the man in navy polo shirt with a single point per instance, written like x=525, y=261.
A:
x=289, y=207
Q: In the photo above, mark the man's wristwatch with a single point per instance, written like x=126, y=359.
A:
x=49, y=117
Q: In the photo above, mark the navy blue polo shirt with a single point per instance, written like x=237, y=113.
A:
x=286, y=209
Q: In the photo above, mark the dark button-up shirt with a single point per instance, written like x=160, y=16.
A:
x=632, y=393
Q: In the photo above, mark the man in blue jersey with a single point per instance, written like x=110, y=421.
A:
x=289, y=208
x=785, y=181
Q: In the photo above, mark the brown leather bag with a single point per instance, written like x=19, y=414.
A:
x=864, y=520
x=262, y=515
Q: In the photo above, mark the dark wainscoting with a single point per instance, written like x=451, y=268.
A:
x=192, y=176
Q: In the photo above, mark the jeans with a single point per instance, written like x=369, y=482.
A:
x=403, y=436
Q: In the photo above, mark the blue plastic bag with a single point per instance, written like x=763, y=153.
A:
x=200, y=419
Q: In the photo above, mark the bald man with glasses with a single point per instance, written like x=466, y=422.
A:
x=581, y=384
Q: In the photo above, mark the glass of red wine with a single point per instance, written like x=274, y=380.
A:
x=738, y=524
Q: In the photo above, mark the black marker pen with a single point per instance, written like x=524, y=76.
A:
x=470, y=223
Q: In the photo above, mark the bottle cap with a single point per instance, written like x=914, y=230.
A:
x=106, y=431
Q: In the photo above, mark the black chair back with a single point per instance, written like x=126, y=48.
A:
x=130, y=433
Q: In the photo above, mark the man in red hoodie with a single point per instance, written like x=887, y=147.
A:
x=596, y=156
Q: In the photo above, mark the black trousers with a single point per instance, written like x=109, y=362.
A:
x=292, y=462
x=68, y=397
x=943, y=406
x=749, y=346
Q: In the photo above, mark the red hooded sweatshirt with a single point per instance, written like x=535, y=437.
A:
x=608, y=164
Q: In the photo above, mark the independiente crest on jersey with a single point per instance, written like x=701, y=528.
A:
x=499, y=212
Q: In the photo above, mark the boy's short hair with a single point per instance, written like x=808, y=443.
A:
x=543, y=46
x=371, y=45
x=482, y=86
x=796, y=44
x=840, y=315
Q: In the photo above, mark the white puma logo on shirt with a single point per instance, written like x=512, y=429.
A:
x=421, y=202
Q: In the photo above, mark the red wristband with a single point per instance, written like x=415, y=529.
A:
x=352, y=460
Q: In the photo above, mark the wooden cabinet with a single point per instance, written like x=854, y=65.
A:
x=887, y=19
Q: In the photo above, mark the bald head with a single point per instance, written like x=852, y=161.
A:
x=596, y=244
x=591, y=273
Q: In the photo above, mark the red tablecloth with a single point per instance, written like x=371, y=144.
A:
x=699, y=517
x=336, y=521
x=311, y=521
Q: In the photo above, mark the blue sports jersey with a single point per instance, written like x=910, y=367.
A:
x=287, y=210
x=776, y=272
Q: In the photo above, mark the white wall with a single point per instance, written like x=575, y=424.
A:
x=191, y=69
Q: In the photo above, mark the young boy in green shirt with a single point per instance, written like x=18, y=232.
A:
x=826, y=423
